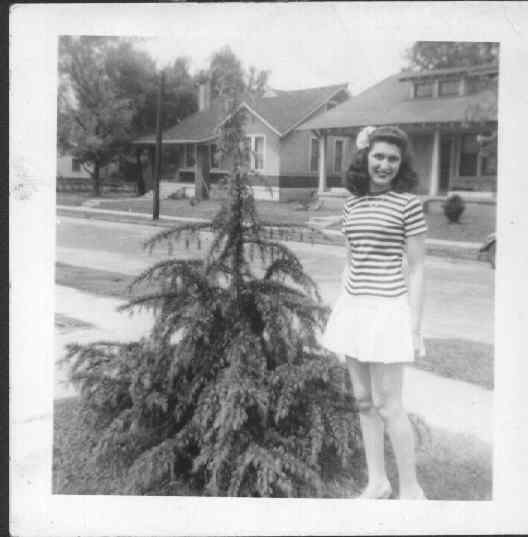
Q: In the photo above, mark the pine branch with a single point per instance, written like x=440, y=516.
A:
x=175, y=233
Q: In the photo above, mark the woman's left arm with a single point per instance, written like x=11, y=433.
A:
x=416, y=263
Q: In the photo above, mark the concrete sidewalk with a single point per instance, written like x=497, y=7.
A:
x=452, y=405
x=454, y=249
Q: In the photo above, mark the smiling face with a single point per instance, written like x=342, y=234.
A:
x=384, y=161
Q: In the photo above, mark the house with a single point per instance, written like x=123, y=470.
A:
x=70, y=167
x=72, y=175
x=444, y=112
x=286, y=160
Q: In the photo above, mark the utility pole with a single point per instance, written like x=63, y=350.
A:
x=157, y=168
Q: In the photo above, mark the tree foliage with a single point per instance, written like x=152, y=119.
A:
x=108, y=95
x=229, y=78
x=94, y=118
x=426, y=55
x=230, y=393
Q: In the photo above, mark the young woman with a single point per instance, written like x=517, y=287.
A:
x=376, y=321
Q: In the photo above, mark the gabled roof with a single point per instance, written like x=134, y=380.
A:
x=289, y=108
x=389, y=103
x=282, y=111
x=198, y=127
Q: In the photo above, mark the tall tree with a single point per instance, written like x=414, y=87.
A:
x=228, y=77
x=135, y=76
x=94, y=119
x=425, y=55
x=231, y=393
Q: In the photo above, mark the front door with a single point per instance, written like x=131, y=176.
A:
x=446, y=155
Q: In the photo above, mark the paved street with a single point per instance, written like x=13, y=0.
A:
x=459, y=295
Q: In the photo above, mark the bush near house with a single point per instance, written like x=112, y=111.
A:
x=453, y=207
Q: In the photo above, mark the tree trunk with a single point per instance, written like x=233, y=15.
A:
x=141, y=189
x=97, y=180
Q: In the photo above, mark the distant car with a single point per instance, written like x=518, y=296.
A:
x=489, y=247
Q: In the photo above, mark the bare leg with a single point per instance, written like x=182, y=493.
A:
x=372, y=431
x=387, y=394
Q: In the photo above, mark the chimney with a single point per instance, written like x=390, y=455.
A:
x=204, y=95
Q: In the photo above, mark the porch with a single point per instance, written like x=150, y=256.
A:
x=189, y=166
x=447, y=158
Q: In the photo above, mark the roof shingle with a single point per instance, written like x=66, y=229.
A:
x=283, y=111
x=389, y=102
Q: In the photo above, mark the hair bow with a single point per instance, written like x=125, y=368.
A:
x=362, y=140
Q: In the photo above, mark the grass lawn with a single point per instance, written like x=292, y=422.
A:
x=450, y=466
x=476, y=222
x=454, y=358
x=96, y=282
x=459, y=359
x=76, y=199
x=268, y=210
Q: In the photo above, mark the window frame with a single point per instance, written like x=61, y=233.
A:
x=343, y=140
x=75, y=165
x=310, y=154
x=462, y=152
x=480, y=159
x=449, y=81
x=252, y=151
x=431, y=84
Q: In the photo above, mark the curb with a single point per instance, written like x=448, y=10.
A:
x=434, y=247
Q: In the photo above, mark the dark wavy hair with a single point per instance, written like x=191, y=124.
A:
x=357, y=179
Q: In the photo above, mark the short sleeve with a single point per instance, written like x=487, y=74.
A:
x=413, y=218
x=344, y=218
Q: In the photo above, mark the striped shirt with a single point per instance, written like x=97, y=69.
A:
x=375, y=227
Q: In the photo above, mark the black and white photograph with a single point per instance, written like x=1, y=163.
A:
x=271, y=233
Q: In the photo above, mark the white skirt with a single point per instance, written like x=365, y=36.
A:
x=370, y=328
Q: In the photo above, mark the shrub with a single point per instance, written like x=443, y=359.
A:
x=453, y=207
x=230, y=393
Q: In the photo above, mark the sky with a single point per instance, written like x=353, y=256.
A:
x=303, y=45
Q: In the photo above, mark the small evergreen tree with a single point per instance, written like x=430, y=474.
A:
x=230, y=394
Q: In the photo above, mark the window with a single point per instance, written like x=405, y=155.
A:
x=489, y=165
x=255, y=146
x=258, y=153
x=338, y=156
x=469, y=156
x=448, y=87
x=314, y=154
x=215, y=156
x=423, y=89
x=76, y=165
x=476, y=84
x=189, y=155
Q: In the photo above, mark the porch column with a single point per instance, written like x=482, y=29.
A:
x=201, y=171
x=322, y=162
x=435, y=164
